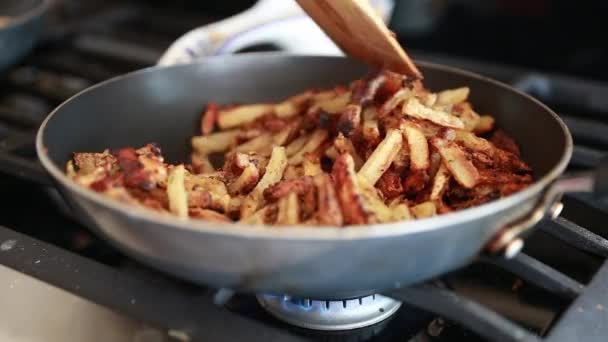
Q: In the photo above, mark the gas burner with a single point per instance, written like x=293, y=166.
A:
x=330, y=314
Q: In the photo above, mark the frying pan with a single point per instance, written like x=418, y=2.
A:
x=19, y=35
x=163, y=105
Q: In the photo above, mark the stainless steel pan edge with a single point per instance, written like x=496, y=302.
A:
x=316, y=262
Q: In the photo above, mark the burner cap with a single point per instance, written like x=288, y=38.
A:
x=330, y=314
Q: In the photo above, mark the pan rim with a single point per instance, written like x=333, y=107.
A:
x=324, y=233
x=29, y=15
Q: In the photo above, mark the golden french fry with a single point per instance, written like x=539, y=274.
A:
x=260, y=216
x=261, y=145
x=455, y=160
x=292, y=105
x=418, y=147
x=430, y=100
x=287, y=133
x=209, y=215
x=289, y=210
x=400, y=212
x=453, y=96
x=469, y=117
x=414, y=108
x=382, y=157
x=216, y=188
x=274, y=172
x=237, y=116
x=245, y=181
x=398, y=98
x=484, y=125
x=316, y=139
x=311, y=168
x=424, y=209
x=215, y=142
x=332, y=105
x=176, y=192
x=474, y=142
x=296, y=145
x=442, y=177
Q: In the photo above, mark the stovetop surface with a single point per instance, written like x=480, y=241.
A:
x=87, y=43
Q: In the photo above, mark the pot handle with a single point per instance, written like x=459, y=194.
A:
x=508, y=241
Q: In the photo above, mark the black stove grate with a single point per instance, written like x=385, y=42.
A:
x=80, y=50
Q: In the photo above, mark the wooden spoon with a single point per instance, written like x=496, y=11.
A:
x=358, y=30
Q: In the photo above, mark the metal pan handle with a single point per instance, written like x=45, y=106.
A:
x=508, y=241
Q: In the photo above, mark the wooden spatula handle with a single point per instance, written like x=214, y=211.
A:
x=358, y=30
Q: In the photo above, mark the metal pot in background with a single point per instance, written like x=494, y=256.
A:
x=20, y=27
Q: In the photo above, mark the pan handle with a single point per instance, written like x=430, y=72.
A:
x=508, y=241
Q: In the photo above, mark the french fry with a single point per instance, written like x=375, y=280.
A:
x=292, y=106
x=484, y=125
x=245, y=181
x=274, y=173
x=379, y=212
x=283, y=188
x=209, y=215
x=289, y=210
x=400, y=212
x=240, y=115
x=348, y=191
x=456, y=161
x=287, y=133
x=176, y=192
x=382, y=157
x=418, y=147
x=453, y=96
x=293, y=172
x=332, y=152
x=209, y=119
x=296, y=145
x=424, y=209
x=430, y=100
x=345, y=145
x=328, y=212
x=332, y=105
x=261, y=145
x=474, y=142
x=201, y=163
x=468, y=116
x=311, y=168
x=398, y=98
x=414, y=108
x=316, y=139
x=261, y=216
x=215, y=142
x=216, y=188
x=442, y=177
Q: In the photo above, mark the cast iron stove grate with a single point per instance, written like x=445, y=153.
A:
x=78, y=53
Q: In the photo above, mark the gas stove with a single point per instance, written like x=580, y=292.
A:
x=62, y=283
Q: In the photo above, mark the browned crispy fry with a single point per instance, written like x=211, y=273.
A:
x=293, y=105
x=390, y=184
x=296, y=145
x=467, y=115
x=287, y=133
x=262, y=216
x=328, y=212
x=456, y=161
x=382, y=157
x=274, y=173
x=245, y=181
x=349, y=193
x=209, y=118
x=414, y=108
x=283, y=188
x=475, y=143
x=89, y=162
x=344, y=145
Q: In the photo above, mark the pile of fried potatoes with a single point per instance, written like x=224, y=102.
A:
x=382, y=149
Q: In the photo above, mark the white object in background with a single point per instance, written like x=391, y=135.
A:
x=281, y=23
